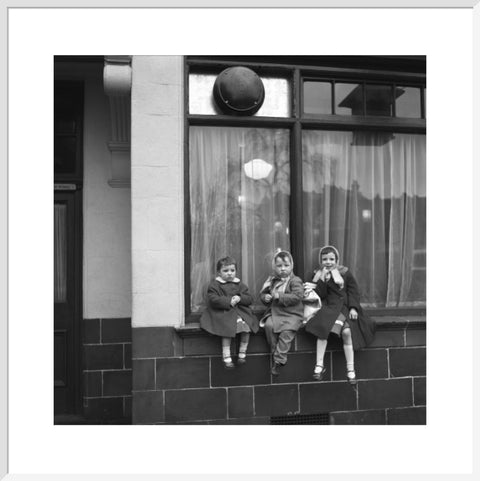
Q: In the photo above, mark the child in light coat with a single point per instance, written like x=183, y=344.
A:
x=282, y=293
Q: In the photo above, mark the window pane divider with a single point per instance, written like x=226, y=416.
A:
x=231, y=121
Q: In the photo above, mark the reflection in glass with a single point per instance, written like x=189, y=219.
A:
x=409, y=103
x=348, y=99
x=379, y=100
x=60, y=253
x=317, y=97
x=231, y=212
x=365, y=193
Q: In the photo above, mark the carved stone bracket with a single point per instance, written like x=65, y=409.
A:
x=117, y=83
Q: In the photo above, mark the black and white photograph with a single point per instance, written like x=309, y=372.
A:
x=230, y=229
x=301, y=174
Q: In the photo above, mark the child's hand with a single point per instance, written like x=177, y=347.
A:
x=325, y=271
x=353, y=314
x=268, y=298
x=235, y=300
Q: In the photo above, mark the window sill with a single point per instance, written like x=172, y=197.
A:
x=193, y=329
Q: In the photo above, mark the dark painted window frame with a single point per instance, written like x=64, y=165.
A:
x=298, y=121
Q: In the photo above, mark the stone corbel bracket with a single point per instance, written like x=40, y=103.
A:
x=117, y=84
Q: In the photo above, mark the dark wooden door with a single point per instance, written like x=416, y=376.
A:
x=68, y=168
x=67, y=299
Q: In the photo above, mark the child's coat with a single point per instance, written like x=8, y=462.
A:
x=220, y=318
x=287, y=311
x=336, y=300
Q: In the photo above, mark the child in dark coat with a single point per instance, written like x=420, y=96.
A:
x=341, y=312
x=283, y=294
x=228, y=312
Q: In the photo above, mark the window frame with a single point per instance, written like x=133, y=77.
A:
x=298, y=121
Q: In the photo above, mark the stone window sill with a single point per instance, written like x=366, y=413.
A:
x=383, y=322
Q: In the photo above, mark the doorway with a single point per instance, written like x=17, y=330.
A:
x=68, y=170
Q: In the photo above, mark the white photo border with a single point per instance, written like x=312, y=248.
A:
x=131, y=434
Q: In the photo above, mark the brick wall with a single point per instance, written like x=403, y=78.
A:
x=178, y=377
x=107, y=370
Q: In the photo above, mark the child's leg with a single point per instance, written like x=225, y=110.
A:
x=242, y=350
x=321, y=348
x=285, y=339
x=348, y=350
x=269, y=334
x=227, y=358
x=320, y=370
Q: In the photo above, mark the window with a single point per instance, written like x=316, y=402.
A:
x=364, y=192
x=315, y=165
x=239, y=201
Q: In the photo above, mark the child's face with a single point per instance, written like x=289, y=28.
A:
x=227, y=273
x=329, y=260
x=283, y=267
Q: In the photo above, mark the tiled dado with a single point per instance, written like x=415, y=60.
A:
x=178, y=377
x=107, y=370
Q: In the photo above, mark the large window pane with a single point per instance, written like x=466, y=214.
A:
x=366, y=193
x=239, y=202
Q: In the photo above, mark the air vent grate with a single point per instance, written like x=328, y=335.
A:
x=322, y=418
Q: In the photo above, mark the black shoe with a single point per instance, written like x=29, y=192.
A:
x=241, y=360
x=276, y=369
x=318, y=376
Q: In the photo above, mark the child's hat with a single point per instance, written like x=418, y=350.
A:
x=278, y=252
x=324, y=248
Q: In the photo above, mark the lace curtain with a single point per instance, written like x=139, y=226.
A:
x=366, y=194
x=363, y=192
x=237, y=207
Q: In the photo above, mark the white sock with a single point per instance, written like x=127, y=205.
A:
x=242, y=350
x=226, y=341
x=321, y=348
x=348, y=350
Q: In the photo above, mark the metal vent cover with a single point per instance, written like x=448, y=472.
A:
x=320, y=418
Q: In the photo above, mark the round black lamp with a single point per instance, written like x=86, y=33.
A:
x=238, y=91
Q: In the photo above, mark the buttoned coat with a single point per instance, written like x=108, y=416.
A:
x=336, y=300
x=220, y=318
x=287, y=310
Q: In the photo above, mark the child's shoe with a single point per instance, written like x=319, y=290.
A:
x=242, y=358
x=319, y=372
x=276, y=369
x=227, y=363
x=351, y=378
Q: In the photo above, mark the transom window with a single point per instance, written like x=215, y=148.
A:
x=315, y=166
x=364, y=99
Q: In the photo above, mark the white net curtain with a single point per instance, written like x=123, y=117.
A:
x=366, y=194
x=237, y=211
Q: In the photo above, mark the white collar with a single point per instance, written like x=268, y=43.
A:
x=219, y=279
